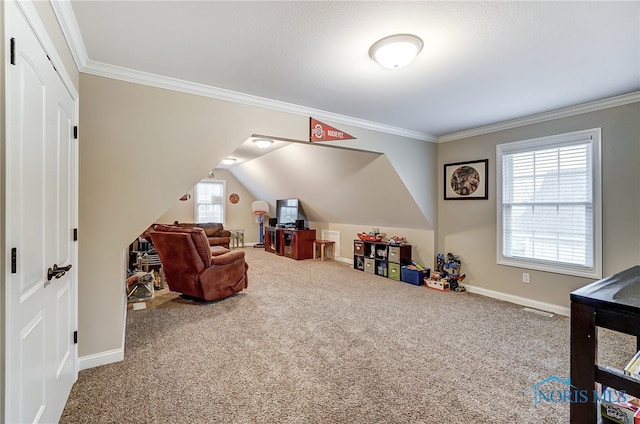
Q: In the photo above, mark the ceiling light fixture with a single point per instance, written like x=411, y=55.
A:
x=396, y=51
x=228, y=161
x=263, y=143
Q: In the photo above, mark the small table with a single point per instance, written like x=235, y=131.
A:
x=237, y=238
x=323, y=251
x=613, y=303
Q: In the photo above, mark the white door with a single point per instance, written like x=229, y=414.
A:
x=41, y=205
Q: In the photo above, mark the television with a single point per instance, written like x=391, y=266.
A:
x=288, y=211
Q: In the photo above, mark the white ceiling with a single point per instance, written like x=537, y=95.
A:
x=483, y=62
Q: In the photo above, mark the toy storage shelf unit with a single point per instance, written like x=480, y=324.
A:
x=380, y=258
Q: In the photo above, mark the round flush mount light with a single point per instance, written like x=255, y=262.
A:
x=396, y=51
x=263, y=143
x=228, y=161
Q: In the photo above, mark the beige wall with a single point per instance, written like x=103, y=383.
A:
x=413, y=161
x=421, y=241
x=174, y=138
x=336, y=185
x=142, y=148
x=238, y=216
x=182, y=211
x=469, y=228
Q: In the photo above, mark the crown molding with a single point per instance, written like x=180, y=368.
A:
x=69, y=25
x=145, y=78
x=607, y=103
x=67, y=20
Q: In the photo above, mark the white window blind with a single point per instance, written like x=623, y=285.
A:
x=209, y=201
x=549, y=203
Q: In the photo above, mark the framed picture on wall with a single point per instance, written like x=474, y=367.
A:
x=466, y=180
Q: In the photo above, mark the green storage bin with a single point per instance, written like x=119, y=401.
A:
x=394, y=271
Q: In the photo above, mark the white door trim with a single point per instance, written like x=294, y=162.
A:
x=38, y=29
x=30, y=12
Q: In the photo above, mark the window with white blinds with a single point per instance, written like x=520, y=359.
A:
x=209, y=201
x=549, y=204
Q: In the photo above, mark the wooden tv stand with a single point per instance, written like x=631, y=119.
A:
x=289, y=242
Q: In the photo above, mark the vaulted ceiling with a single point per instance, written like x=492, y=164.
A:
x=334, y=185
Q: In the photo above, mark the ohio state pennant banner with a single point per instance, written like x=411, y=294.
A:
x=319, y=131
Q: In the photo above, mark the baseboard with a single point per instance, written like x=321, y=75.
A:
x=102, y=358
x=345, y=260
x=550, y=307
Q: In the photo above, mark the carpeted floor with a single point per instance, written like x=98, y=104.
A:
x=318, y=342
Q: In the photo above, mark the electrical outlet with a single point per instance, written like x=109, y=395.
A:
x=525, y=277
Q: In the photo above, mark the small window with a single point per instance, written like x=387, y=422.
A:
x=209, y=201
x=549, y=207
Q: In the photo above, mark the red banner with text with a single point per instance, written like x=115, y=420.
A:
x=319, y=131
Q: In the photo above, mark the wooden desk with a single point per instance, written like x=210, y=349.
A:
x=613, y=303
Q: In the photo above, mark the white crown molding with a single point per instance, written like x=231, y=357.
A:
x=68, y=23
x=145, y=78
x=67, y=20
x=610, y=102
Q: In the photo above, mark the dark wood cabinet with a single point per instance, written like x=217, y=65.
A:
x=297, y=244
x=272, y=240
x=289, y=242
x=612, y=303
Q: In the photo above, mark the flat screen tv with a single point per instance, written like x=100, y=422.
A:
x=288, y=211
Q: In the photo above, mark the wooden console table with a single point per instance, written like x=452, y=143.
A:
x=613, y=303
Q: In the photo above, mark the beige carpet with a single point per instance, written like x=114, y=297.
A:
x=318, y=342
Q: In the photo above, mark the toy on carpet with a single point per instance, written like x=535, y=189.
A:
x=447, y=273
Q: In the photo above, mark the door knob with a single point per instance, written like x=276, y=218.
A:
x=57, y=272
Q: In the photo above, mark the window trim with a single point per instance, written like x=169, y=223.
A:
x=549, y=142
x=224, y=200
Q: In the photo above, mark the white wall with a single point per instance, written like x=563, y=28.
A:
x=3, y=250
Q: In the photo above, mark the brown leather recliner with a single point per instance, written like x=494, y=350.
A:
x=192, y=270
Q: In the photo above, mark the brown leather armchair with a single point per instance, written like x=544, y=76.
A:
x=192, y=270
